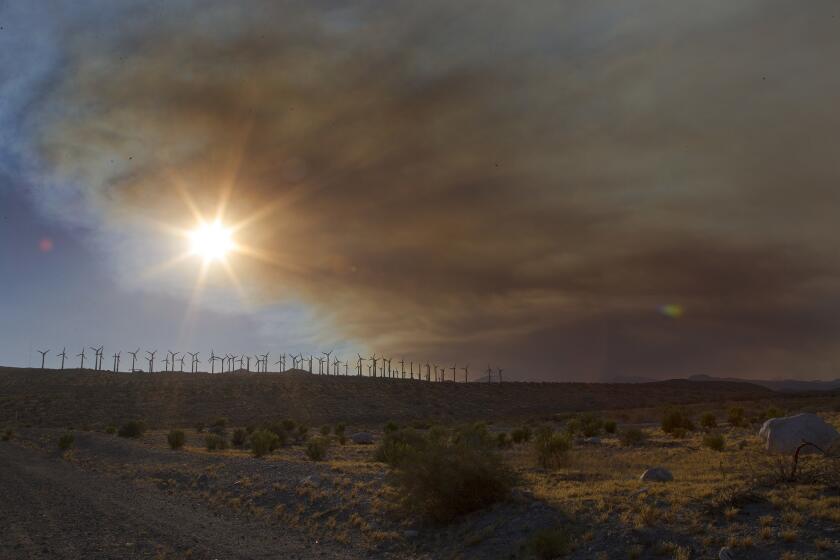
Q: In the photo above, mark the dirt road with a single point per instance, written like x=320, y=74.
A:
x=50, y=509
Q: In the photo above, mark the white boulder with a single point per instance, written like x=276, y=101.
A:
x=656, y=474
x=365, y=438
x=783, y=435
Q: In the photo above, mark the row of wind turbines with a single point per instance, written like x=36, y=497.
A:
x=375, y=366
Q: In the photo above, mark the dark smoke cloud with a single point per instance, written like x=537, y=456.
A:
x=521, y=183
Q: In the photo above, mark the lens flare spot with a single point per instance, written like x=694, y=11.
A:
x=672, y=310
x=45, y=245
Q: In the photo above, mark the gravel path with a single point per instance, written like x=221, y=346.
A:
x=51, y=509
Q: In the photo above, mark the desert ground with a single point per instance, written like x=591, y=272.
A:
x=77, y=482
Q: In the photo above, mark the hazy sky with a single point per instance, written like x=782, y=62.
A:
x=567, y=189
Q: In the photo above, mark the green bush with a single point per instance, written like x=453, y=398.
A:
x=447, y=477
x=632, y=436
x=288, y=425
x=573, y=426
x=502, y=440
x=264, y=442
x=316, y=448
x=325, y=430
x=547, y=544
x=714, y=441
x=396, y=447
x=7, y=435
x=219, y=426
x=675, y=422
x=551, y=449
x=132, y=429
x=391, y=426
x=475, y=435
x=773, y=412
x=610, y=426
x=339, y=429
x=239, y=437
x=66, y=441
x=176, y=439
x=111, y=430
x=708, y=421
x=302, y=432
x=421, y=425
x=521, y=435
x=736, y=416
x=590, y=425
x=215, y=442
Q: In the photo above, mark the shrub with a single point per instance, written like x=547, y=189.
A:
x=610, y=426
x=574, y=426
x=736, y=416
x=773, y=412
x=714, y=441
x=219, y=426
x=325, y=430
x=590, y=425
x=502, y=440
x=475, y=435
x=215, y=442
x=316, y=448
x=448, y=477
x=397, y=446
x=111, y=430
x=339, y=429
x=675, y=422
x=391, y=426
x=708, y=421
x=199, y=427
x=239, y=437
x=546, y=544
x=132, y=429
x=520, y=435
x=7, y=435
x=175, y=439
x=342, y=439
x=66, y=441
x=421, y=425
x=264, y=442
x=288, y=425
x=632, y=436
x=551, y=449
x=302, y=432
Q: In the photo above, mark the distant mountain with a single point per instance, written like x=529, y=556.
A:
x=784, y=385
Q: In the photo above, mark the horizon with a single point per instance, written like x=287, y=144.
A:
x=570, y=191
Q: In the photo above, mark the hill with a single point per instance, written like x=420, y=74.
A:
x=782, y=385
x=51, y=398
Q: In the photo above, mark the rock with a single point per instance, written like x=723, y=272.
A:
x=656, y=474
x=411, y=533
x=364, y=438
x=592, y=440
x=783, y=435
x=726, y=554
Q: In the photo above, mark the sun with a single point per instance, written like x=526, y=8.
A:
x=211, y=241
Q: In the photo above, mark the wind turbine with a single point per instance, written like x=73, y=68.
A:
x=133, y=358
x=97, y=357
x=489, y=374
x=411, y=370
x=327, y=355
x=166, y=362
x=500, y=374
x=63, y=355
x=265, y=361
x=402, y=368
x=437, y=375
x=359, y=364
x=321, y=365
x=335, y=366
x=196, y=360
x=373, y=361
x=43, y=356
x=310, y=363
x=82, y=355
x=192, y=356
x=346, y=367
x=150, y=356
x=117, y=362
x=466, y=369
x=428, y=372
x=181, y=362
x=454, y=367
